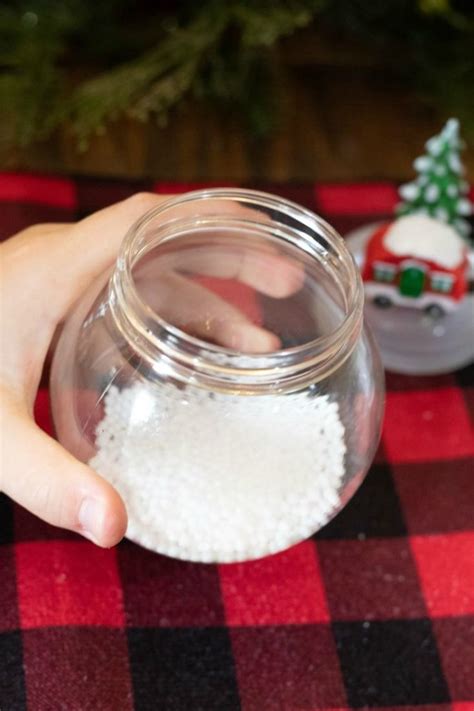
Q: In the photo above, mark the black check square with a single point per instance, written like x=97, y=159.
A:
x=373, y=511
x=176, y=669
x=303, y=193
x=18, y=216
x=6, y=519
x=382, y=576
x=465, y=379
x=9, y=619
x=77, y=668
x=437, y=497
x=465, y=376
x=159, y=591
x=402, y=382
x=31, y=528
x=346, y=223
x=96, y=193
x=288, y=668
x=12, y=681
x=390, y=663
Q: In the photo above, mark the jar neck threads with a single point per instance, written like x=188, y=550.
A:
x=167, y=350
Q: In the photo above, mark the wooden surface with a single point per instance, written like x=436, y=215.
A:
x=342, y=117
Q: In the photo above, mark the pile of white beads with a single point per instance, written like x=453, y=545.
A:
x=221, y=477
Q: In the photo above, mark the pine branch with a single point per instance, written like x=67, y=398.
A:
x=220, y=52
x=158, y=80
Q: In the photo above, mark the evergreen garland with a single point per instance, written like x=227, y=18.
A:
x=82, y=64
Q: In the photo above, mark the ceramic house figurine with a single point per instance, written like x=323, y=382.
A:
x=418, y=262
x=418, y=268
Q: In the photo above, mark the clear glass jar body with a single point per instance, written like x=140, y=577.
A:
x=221, y=378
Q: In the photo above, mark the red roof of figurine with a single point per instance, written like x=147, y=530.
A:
x=427, y=271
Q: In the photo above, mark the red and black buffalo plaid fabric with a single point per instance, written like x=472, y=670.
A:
x=376, y=611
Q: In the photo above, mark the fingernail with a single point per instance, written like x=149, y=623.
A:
x=91, y=518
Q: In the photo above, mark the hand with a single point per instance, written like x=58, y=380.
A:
x=44, y=269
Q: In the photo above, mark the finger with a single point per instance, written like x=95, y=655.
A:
x=199, y=312
x=264, y=269
x=264, y=266
x=51, y=267
x=270, y=274
x=45, y=269
x=273, y=275
x=50, y=483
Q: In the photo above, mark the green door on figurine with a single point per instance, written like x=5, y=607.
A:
x=412, y=281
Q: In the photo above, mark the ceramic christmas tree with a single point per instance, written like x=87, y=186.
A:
x=418, y=269
x=440, y=190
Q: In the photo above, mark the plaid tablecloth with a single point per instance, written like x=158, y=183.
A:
x=376, y=611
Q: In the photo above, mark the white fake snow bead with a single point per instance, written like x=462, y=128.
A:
x=225, y=478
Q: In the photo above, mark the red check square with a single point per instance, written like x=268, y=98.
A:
x=427, y=425
x=285, y=588
x=446, y=570
x=373, y=199
x=38, y=189
x=42, y=411
x=64, y=583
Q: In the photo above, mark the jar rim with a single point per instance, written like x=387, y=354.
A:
x=183, y=352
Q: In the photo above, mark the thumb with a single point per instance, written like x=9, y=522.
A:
x=49, y=482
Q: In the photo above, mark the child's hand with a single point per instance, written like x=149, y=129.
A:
x=44, y=270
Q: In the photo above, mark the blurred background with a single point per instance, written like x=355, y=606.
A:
x=241, y=90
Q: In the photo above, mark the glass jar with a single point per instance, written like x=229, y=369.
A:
x=220, y=376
